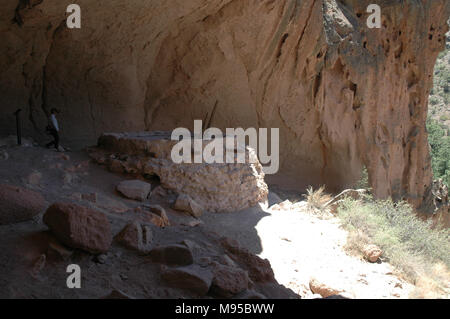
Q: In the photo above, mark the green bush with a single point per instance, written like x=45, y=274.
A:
x=434, y=100
x=440, y=150
x=363, y=181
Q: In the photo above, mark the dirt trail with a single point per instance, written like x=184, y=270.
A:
x=304, y=246
x=301, y=246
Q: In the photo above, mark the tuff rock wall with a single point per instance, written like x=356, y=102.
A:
x=344, y=96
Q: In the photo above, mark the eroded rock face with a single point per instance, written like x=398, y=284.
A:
x=344, y=96
x=215, y=187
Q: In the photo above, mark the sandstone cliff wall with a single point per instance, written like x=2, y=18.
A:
x=344, y=96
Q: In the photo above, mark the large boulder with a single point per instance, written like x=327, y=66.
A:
x=214, y=187
x=79, y=227
x=18, y=204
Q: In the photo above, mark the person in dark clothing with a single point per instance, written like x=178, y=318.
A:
x=53, y=129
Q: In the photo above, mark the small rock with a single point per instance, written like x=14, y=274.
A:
x=136, y=236
x=67, y=178
x=227, y=261
x=192, y=278
x=372, y=253
x=135, y=189
x=325, y=290
x=91, y=197
x=286, y=205
x=160, y=192
x=187, y=204
x=4, y=156
x=156, y=215
x=179, y=255
x=193, y=223
x=228, y=281
x=83, y=166
x=76, y=196
x=101, y=259
x=19, y=204
x=79, y=227
x=65, y=157
x=38, y=265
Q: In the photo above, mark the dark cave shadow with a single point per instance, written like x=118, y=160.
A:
x=240, y=226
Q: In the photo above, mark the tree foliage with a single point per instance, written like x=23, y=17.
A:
x=440, y=150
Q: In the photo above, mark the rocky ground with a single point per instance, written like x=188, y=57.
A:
x=164, y=253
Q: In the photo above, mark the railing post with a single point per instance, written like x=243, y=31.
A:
x=18, y=126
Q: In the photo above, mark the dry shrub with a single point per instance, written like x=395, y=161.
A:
x=317, y=199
